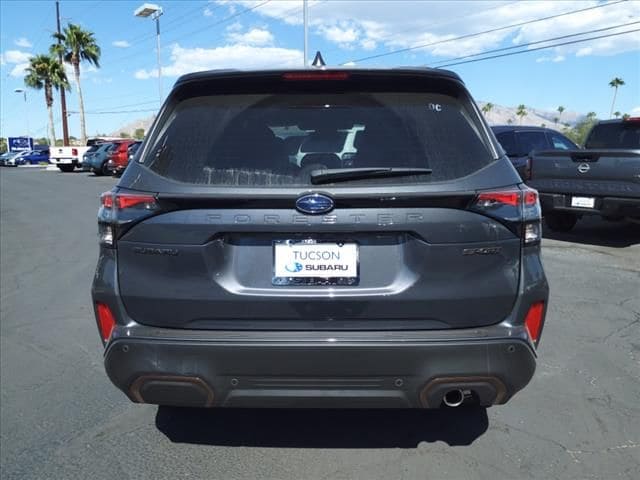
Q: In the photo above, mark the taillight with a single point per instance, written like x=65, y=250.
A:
x=493, y=199
x=74, y=152
x=123, y=201
x=533, y=321
x=121, y=210
x=314, y=76
x=519, y=209
x=106, y=321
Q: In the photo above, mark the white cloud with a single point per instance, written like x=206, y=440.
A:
x=186, y=60
x=121, y=44
x=336, y=34
x=635, y=110
x=18, y=60
x=556, y=59
x=23, y=42
x=15, y=56
x=207, y=12
x=255, y=36
x=234, y=27
x=19, y=70
x=406, y=24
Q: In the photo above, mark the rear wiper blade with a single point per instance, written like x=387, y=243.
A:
x=332, y=175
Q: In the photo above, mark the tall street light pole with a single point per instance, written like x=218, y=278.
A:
x=153, y=11
x=26, y=107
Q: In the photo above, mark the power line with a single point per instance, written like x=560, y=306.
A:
x=120, y=111
x=112, y=107
x=439, y=24
x=479, y=54
x=540, y=48
x=477, y=34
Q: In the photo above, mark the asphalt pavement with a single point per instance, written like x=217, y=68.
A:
x=60, y=417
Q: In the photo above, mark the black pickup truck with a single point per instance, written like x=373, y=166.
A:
x=603, y=179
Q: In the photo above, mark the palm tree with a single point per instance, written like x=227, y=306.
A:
x=487, y=108
x=617, y=114
x=560, y=110
x=77, y=45
x=46, y=72
x=521, y=112
x=615, y=83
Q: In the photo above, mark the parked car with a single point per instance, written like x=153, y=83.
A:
x=17, y=158
x=119, y=157
x=86, y=167
x=8, y=159
x=603, y=179
x=97, y=161
x=34, y=157
x=519, y=141
x=133, y=148
x=229, y=276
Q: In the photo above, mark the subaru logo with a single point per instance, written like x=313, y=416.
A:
x=584, y=168
x=293, y=267
x=314, y=204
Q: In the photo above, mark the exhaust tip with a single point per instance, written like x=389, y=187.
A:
x=453, y=398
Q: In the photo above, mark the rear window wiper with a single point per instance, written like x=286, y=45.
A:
x=332, y=175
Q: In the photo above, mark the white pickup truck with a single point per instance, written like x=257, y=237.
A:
x=67, y=158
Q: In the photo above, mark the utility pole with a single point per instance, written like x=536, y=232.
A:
x=63, y=95
x=305, y=18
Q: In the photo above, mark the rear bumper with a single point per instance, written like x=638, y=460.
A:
x=605, y=206
x=64, y=161
x=313, y=369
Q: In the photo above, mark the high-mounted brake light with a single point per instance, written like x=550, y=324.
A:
x=314, y=76
x=106, y=321
x=533, y=321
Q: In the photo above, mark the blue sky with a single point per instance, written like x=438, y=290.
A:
x=198, y=35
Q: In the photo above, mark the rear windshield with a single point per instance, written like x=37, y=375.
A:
x=279, y=139
x=615, y=135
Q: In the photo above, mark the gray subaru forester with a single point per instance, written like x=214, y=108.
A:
x=396, y=264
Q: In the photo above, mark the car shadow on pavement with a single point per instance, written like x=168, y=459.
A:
x=299, y=428
x=594, y=231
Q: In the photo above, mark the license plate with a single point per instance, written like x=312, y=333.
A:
x=309, y=262
x=584, y=202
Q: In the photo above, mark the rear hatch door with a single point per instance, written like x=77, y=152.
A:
x=241, y=237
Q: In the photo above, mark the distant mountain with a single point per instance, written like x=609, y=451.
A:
x=500, y=115
x=131, y=127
